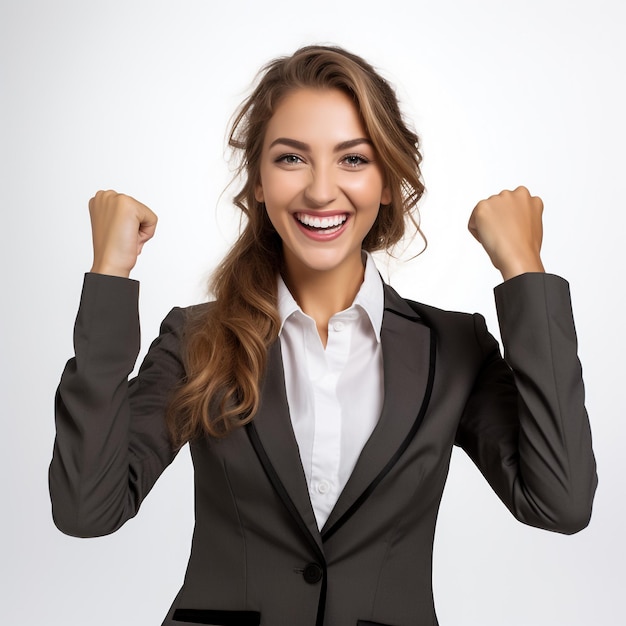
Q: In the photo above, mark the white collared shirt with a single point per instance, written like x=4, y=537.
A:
x=335, y=395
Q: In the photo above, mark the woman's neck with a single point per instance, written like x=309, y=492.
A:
x=321, y=294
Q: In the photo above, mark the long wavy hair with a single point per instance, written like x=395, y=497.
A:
x=226, y=343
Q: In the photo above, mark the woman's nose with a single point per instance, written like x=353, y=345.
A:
x=322, y=187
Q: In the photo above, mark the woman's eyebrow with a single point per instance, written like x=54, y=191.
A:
x=346, y=145
x=300, y=145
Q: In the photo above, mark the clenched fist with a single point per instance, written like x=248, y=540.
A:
x=120, y=225
x=509, y=227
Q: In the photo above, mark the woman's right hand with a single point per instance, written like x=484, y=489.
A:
x=120, y=225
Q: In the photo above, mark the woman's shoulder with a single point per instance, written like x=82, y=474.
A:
x=427, y=313
x=180, y=317
x=457, y=333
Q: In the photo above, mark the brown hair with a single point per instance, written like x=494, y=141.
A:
x=225, y=347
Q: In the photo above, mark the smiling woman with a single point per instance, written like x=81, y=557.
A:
x=321, y=408
x=244, y=285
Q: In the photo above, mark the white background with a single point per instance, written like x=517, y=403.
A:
x=136, y=96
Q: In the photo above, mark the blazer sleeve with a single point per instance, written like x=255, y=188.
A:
x=525, y=425
x=111, y=441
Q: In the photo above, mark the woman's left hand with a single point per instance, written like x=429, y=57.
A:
x=508, y=226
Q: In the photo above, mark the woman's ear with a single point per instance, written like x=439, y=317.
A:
x=258, y=193
x=385, y=196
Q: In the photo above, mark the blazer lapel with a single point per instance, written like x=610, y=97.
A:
x=273, y=439
x=408, y=365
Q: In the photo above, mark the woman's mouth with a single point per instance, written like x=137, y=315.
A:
x=326, y=225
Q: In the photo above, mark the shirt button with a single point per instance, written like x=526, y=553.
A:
x=323, y=486
x=312, y=573
x=338, y=326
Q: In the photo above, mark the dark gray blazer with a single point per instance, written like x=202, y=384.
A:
x=257, y=555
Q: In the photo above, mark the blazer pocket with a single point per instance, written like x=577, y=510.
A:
x=362, y=622
x=217, y=618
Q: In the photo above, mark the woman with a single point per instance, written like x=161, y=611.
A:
x=321, y=408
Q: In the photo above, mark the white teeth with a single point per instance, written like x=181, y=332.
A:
x=321, y=222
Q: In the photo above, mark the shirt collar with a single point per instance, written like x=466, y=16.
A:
x=370, y=297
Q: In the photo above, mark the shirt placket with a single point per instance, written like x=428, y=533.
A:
x=327, y=367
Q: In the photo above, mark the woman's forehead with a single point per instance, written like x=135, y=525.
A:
x=316, y=116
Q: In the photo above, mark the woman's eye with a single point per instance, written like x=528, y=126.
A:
x=289, y=159
x=354, y=160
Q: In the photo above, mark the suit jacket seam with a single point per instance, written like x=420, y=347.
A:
x=382, y=566
x=562, y=430
x=243, y=532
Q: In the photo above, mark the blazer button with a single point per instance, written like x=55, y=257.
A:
x=312, y=573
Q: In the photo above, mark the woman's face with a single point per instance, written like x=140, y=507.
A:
x=320, y=181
